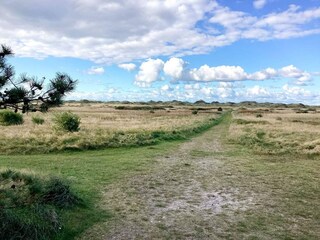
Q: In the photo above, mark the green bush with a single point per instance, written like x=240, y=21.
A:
x=8, y=117
x=30, y=206
x=67, y=121
x=59, y=194
x=37, y=120
x=194, y=112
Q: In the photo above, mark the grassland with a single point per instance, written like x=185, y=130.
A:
x=250, y=177
x=277, y=131
x=104, y=126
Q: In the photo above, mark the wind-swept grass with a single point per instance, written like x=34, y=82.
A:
x=103, y=127
x=277, y=131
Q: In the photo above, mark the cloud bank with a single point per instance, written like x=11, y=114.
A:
x=119, y=31
x=176, y=69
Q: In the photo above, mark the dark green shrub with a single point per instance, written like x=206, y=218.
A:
x=259, y=115
x=67, y=121
x=37, y=120
x=194, y=112
x=8, y=117
x=302, y=111
x=59, y=194
x=30, y=206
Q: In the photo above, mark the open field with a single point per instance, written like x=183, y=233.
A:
x=277, y=131
x=253, y=176
x=102, y=125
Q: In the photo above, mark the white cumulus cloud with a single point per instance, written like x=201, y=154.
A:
x=296, y=91
x=174, y=67
x=257, y=91
x=166, y=88
x=220, y=73
x=127, y=66
x=267, y=73
x=301, y=77
x=149, y=72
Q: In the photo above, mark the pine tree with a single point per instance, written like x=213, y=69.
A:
x=27, y=93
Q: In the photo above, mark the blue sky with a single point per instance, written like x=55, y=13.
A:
x=257, y=50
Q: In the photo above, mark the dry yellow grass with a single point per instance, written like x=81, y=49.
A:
x=278, y=130
x=99, y=122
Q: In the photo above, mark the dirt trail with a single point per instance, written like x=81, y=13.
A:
x=183, y=197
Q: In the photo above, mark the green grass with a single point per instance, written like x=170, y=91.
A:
x=37, y=120
x=285, y=183
x=89, y=173
x=287, y=191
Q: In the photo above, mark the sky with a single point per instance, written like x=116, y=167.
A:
x=188, y=50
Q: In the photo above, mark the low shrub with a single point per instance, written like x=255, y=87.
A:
x=259, y=115
x=30, y=206
x=194, y=112
x=140, y=107
x=8, y=117
x=67, y=121
x=37, y=120
x=302, y=111
x=297, y=121
x=57, y=193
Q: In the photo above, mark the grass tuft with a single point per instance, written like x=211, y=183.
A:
x=58, y=193
x=37, y=120
x=8, y=117
x=30, y=205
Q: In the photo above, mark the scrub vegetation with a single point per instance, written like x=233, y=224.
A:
x=31, y=206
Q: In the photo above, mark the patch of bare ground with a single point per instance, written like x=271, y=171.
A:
x=185, y=196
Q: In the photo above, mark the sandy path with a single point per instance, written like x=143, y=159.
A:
x=181, y=198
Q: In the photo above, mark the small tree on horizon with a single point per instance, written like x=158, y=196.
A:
x=27, y=93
